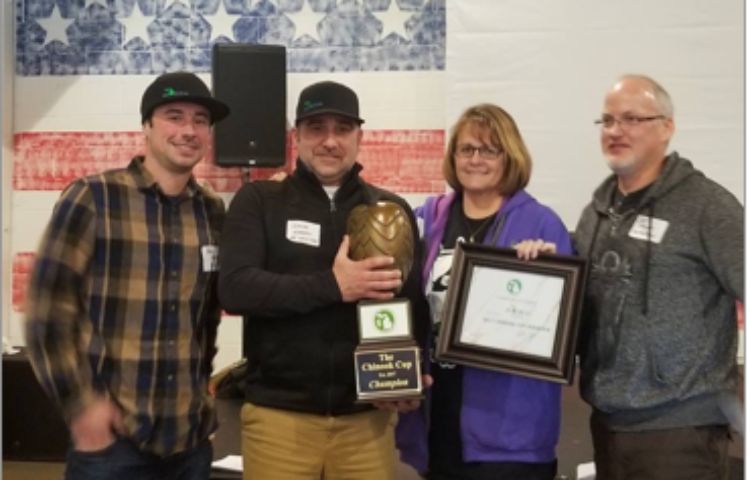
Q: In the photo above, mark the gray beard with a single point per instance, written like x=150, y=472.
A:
x=622, y=168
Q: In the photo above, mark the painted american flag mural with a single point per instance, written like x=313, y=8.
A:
x=95, y=37
x=82, y=65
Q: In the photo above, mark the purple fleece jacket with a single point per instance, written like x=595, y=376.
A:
x=504, y=418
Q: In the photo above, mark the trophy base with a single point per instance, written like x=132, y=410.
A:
x=388, y=371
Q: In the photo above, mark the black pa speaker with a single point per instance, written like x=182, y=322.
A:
x=33, y=426
x=251, y=79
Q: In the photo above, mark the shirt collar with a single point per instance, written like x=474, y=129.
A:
x=146, y=182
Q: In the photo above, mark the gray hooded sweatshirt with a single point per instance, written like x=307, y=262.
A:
x=659, y=332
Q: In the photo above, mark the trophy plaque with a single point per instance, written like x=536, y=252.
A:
x=386, y=361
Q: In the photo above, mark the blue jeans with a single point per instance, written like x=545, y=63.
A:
x=123, y=460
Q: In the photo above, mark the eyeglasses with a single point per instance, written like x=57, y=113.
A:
x=486, y=153
x=626, y=121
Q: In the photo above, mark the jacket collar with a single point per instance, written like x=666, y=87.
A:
x=349, y=183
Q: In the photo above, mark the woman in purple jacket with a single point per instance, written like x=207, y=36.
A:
x=483, y=424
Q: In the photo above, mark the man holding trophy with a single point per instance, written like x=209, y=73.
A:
x=311, y=296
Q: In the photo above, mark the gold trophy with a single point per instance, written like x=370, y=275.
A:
x=386, y=361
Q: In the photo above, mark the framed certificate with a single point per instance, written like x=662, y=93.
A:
x=506, y=314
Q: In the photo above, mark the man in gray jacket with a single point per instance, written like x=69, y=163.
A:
x=665, y=246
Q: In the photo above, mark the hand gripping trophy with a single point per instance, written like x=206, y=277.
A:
x=386, y=361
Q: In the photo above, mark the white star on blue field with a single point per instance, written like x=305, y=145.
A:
x=104, y=37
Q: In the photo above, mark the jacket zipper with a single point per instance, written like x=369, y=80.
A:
x=331, y=370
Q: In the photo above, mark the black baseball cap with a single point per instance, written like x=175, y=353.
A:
x=328, y=97
x=180, y=87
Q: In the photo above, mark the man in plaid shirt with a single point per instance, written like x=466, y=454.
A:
x=122, y=313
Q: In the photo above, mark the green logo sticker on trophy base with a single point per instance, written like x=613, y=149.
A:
x=384, y=320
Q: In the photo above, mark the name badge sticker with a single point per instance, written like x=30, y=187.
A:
x=306, y=233
x=640, y=229
x=210, y=256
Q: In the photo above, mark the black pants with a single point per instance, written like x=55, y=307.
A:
x=694, y=453
x=496, y=471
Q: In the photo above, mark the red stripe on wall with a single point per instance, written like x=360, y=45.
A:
x=403, y=161
x=22, y=263
x=740, y=314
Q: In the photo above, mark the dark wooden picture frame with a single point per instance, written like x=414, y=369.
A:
x=559, y=365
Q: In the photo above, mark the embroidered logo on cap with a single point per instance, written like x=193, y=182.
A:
x=309, y=105
x=171, y=92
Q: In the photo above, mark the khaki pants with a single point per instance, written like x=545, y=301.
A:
x=286, y=445
x=690, y=453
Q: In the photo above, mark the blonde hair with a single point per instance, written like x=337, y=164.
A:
x=504, y=135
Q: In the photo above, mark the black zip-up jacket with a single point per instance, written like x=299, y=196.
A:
x=299, y=334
